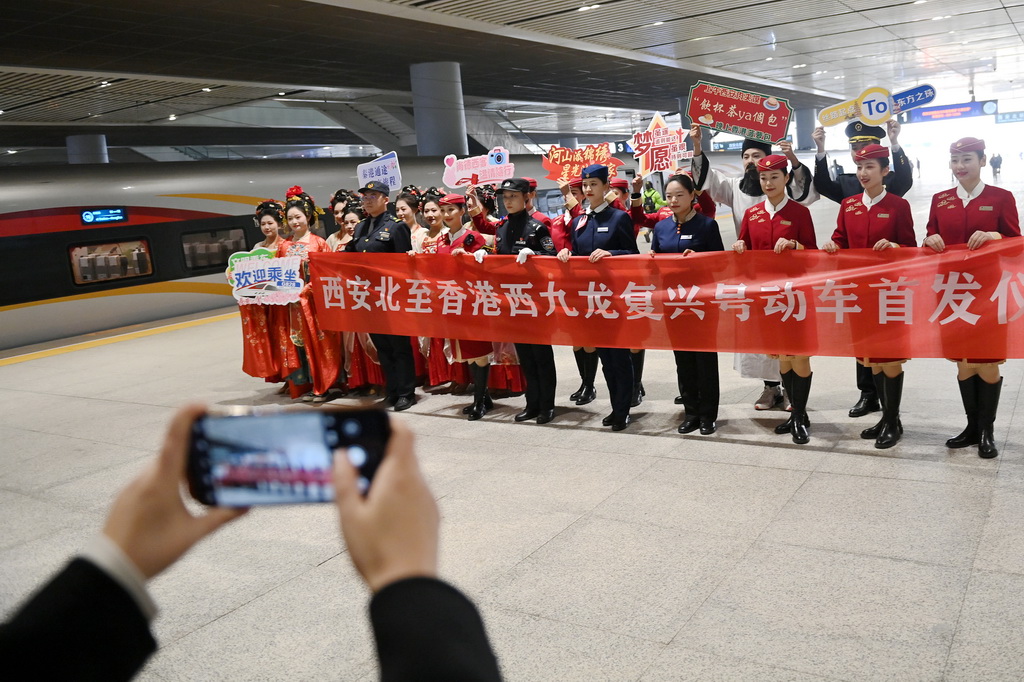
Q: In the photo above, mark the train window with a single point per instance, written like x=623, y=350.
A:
x=212, y=248
x=115, y=260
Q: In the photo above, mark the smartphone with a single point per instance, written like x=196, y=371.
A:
x=272, y=456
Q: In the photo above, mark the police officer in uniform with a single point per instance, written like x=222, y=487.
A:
x=898, y=182
x=520, y=234
x=601, y=232
x=380, y=233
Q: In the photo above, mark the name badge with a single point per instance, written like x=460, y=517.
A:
x=384, y=237
x=883, y=215
x=520, y=241
x=787, y=222
x=686, y=236
x=602, y=229
x=984, y=208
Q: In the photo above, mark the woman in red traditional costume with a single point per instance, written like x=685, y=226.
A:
x=779, y=224
x=347, y=215
x=318, y=350
x=973, y=213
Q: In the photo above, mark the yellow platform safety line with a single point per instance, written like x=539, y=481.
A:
x=213, y=288
x=113, y=339
x=230, y=198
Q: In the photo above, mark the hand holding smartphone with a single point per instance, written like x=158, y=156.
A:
x=261, y=457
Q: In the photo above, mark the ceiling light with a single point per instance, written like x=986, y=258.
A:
x=172, y=117
x=12, y=151
x=325, y=148
x=104, y=84
x=1, y=112
x=129, y=187
x=281, y=94
x=799, y=66
x=768, y=59
x=586, y=7
x=658, y=23
x=206, y=89
x=920, y=2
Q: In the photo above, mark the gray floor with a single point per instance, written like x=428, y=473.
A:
x=644, y=555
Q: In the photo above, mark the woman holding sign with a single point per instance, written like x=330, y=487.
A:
x=780, y=224
x=973, y=214
x=318, y=350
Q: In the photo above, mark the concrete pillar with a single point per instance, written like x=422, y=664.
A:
x=438, y=109
x=569, y=142
x=806, y=122
x=87, y=149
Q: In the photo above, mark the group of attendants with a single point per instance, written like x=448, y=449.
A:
x=603, y=218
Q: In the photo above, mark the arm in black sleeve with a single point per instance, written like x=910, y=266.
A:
x=823, y=182
x=902, y=177
x=802, y=175
x=427, y=630
x=401, y=237
x=82, y=625
x=715, y=237
x=625, y=237
x=543, y=244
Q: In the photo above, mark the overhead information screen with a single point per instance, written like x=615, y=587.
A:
x=98, y=216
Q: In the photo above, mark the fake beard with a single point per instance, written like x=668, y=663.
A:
x=750, y=184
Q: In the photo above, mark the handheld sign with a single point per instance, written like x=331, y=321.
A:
x=873, y=107
x=740, y=112
x=660, y=147
x=383, y=169
x=259, y=277
x=919, y=96
x=563, y=163
x=494, y=166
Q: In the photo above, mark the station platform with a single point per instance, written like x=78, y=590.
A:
x=592, y=555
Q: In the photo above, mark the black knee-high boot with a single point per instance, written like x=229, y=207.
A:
x=481, y=398
x=891, y=395
x=589, y=393
x=801, y=392
x=872, y=432
x=787, y=385
x=638, y=374
x=988, y=402
x=969, y=397
x=581, y=358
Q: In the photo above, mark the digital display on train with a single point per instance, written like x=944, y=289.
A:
x=99, y=216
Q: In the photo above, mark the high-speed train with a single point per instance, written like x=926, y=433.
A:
x=99, y=247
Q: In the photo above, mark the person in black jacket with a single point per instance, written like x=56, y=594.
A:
x=687, y=231
x=381, y=233
x=520, y=234
x=91, y=621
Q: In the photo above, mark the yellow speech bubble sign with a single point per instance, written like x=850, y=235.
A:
x=873, y=107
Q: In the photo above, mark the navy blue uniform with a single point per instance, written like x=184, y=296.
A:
x=516, y=232
x=610, y=230
x=696, y=372
x=383, y=234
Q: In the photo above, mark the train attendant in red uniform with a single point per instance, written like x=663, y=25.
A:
x=321, y=349
x=780, y=224
x=602, y=232
x=877, y=219
x=686, y=231
x=973, y=213
x=477, y=354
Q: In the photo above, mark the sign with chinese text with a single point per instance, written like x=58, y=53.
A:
x=1010, y=117
x=918, y=96
x=563, y=163
x=740, y=112
x=99, y=216
x=492, y=167
x=259, y=277
x=859, y=302
x=953, y=111
x=382, y=169
x=873, y=107
x=659, y=148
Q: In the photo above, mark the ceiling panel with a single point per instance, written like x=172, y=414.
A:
x=900, y=14
x=768, y=14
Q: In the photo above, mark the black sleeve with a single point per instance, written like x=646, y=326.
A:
x=808, y=180
x=541, y=241
x=823, y=182
x=625, y=238
x=715, y=236
x=902, y=177
x=427, y=630
x=351, y=246
x=82, y=625
x=699, y=169
x=401, y=237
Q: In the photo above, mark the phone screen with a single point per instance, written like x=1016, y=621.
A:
x=282, y=458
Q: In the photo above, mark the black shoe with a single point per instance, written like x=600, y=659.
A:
x=527, y=414
x=866, y=405
x=707, y=426
x=872, y=432
x=801, y=432
x=638, y=396
x=404, y=403
x=785, y=427
x=620, y=425
x=609, y=420
x=678, y=400
x=477, y=412
x=545, y=416
x=689, y=425
x=579, y=393
x=589, y=396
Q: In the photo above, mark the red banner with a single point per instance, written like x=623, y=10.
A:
x=740, y=112
x=909, y=302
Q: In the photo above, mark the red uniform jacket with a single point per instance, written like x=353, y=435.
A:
x=759, y=231
x=477, y=242
x=994, y=210
x=858, y=227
